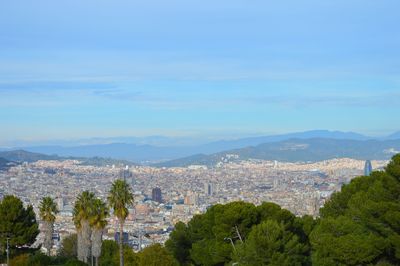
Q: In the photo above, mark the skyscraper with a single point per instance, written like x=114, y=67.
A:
x=367, y=168
x=156, y=195
x=208, y=188
x=126, y=175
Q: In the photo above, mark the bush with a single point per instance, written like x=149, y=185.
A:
x=20, y=260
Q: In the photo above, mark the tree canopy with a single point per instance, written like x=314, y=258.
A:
x=360, y=225
x=17, y=222
x=225, y=233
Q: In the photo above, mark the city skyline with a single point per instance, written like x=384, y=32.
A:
x=215, y=70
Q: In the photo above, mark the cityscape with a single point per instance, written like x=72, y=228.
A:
x=166, y=196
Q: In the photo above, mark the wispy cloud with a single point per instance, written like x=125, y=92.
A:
x=188, y=95
x=26, y=86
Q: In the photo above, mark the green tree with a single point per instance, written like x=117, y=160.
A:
x=130, y=258
x=98, y=222
x=81, y=215
x=269, y=243
x=69, y=246
x=342, y=241
x=361, y=224
x=207, y=239
x=156, y=255
x=48, y=210
x=393, y=168
x=17, y=223
x=108, y=250
x=180, y=243
x=272, y=211
x=39, y=259
x=74, y=262
x=110, y=255
x=20, y=260
x=209, y=232
x=120, y=198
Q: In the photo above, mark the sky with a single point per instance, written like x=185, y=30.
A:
x=74, y=69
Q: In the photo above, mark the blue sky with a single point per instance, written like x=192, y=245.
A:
x=218, y=69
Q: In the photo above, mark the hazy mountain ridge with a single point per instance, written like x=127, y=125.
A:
x=19, y=156
x=6, y=164
x=25, y=156
x=158, y=151
x=395, y=135
x=295, y=150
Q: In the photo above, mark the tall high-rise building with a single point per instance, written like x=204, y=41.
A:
x=156, y=195
x=367, y=168
x=126, y=175
x=208, y=188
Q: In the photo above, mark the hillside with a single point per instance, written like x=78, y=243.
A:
x=25, y=156
x=5, y=164
x=158, y=149
x=294, y=150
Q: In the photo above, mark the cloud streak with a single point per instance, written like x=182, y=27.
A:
x=188, y=95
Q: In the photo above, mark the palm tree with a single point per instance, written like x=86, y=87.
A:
x=98, y=222
x=81, y=216
x=119, y=198
x=48, y=210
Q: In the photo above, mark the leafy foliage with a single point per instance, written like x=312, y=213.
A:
x=38, y=259
x=119, y=198
x=69, y=246
x=16, y=222
x=156, y=255
x=180, y=243
x=48, y=209
x=269, y=243
x=206, y=240
x=108, y=250
x=110, y=255
x=361, y=224
x=20, y=260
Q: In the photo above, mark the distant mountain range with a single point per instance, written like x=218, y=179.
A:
x=19, y=156
x=395, y=135
x=155, y=149
x=295, y=150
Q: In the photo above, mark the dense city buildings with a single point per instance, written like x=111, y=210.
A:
x=301, y=188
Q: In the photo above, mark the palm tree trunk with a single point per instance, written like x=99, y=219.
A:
x=96, y=238
x=86, y=243
x=48, y=235
x=121, y=248
x=80, y=247
x=97, y=261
